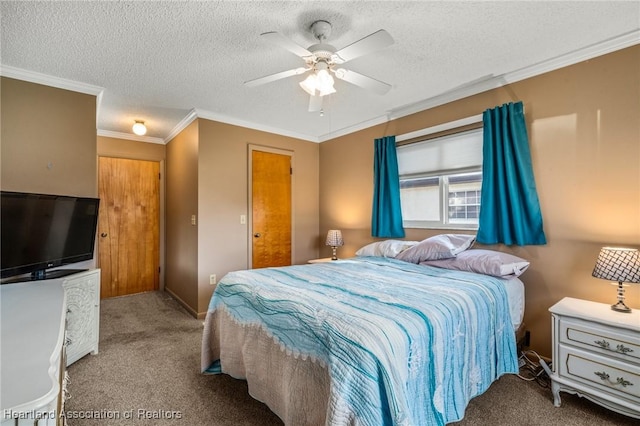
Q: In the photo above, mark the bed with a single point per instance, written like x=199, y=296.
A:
x=363, y=341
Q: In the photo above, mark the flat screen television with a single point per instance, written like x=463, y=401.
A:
x=40, y=232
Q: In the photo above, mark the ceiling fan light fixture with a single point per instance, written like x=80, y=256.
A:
x=139, y=128
x=324, y=83
x=309, y=84
x=319, y=83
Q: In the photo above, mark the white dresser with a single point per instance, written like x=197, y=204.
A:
x=33, y=365
x=83, y=313
x=40, y=322
x=596, y=354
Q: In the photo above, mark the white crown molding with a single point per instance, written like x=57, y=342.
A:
x=49, y=80
x=129, y=136
x=617, y=43
x=602, y=48
x=208, y=115
x=491, y=82
x=188, y=119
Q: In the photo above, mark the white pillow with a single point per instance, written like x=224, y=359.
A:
x=386, y=248
x=488, y=262
x=441, y=246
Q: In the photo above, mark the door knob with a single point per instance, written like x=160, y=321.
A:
x=256, y=235
x=103, y=235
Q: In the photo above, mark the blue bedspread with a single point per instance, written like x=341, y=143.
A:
x=405, y=344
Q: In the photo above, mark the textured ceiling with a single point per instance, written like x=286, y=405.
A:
x=162, y=61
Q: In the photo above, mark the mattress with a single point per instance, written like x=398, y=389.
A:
x=515, y=295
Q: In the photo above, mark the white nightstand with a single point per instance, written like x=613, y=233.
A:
x=324, y=259
x=596, y=354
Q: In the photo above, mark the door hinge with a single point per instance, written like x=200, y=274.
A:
x=159, y=176
x=290, y=170
x=158, y=269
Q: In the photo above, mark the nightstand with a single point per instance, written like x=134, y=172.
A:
x=324, y=259
x=596, y=354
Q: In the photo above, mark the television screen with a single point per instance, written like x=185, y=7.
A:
x=41, y=231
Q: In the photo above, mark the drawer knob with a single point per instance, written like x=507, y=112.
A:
x=619, y=381
x=602, y=375
x=623, y=349
x=623, y=382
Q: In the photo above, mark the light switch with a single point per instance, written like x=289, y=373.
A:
x=243, y=219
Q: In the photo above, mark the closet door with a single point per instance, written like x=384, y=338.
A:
x=128, y=226
x=270, y=209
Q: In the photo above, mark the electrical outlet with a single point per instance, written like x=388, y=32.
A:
x=212, y=279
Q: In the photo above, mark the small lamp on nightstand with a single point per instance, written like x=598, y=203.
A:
x=334, y=239
x=621, y=265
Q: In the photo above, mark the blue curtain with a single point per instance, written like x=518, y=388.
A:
x=509, y=210
x=386, y=219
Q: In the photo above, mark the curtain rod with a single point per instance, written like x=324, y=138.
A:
x=442, y=127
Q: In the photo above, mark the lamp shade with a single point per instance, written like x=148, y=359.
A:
x=618, y=264
x=334, y=238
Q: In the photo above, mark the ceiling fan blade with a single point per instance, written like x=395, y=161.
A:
x=282, y=41
x=363, y=81
x=276, y=76
x=315, y=103
x=376, y=41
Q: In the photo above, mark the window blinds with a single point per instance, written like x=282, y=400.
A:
x=453, y=152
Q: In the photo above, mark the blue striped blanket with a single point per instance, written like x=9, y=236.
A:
x=404, y=344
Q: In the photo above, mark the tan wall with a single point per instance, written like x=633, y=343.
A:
x=181, y=277
x=223, y=197
x=584, y=132
x=121, y=148
x=48, y=139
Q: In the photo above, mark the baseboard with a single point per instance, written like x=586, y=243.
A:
x=184, y=304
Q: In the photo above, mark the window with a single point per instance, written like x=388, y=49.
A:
x=440, y=181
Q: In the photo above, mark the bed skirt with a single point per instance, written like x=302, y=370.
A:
x=295, y=389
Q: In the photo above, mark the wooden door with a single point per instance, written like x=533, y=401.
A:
x=128, y=226
x=271, y=209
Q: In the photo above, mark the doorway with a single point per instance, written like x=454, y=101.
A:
x=128, y=226
x=270, y=197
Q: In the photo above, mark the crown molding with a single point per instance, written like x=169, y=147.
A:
x=492, y=82
x=130, y=137
x=598, y=49
x=208, y=115
x=188, y=119
x=49, y=80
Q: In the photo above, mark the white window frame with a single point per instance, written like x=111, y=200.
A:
x=443, y=176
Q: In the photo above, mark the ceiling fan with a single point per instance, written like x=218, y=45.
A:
x=323, y=59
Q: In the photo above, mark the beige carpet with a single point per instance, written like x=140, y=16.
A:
x=148, y=373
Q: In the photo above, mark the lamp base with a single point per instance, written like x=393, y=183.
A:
x=334, y=256
x=620, y=306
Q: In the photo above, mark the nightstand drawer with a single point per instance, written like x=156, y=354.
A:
x=614, y=377
x=615, y=342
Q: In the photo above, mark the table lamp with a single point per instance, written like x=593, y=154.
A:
x=334, y=239
x=621, y=265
